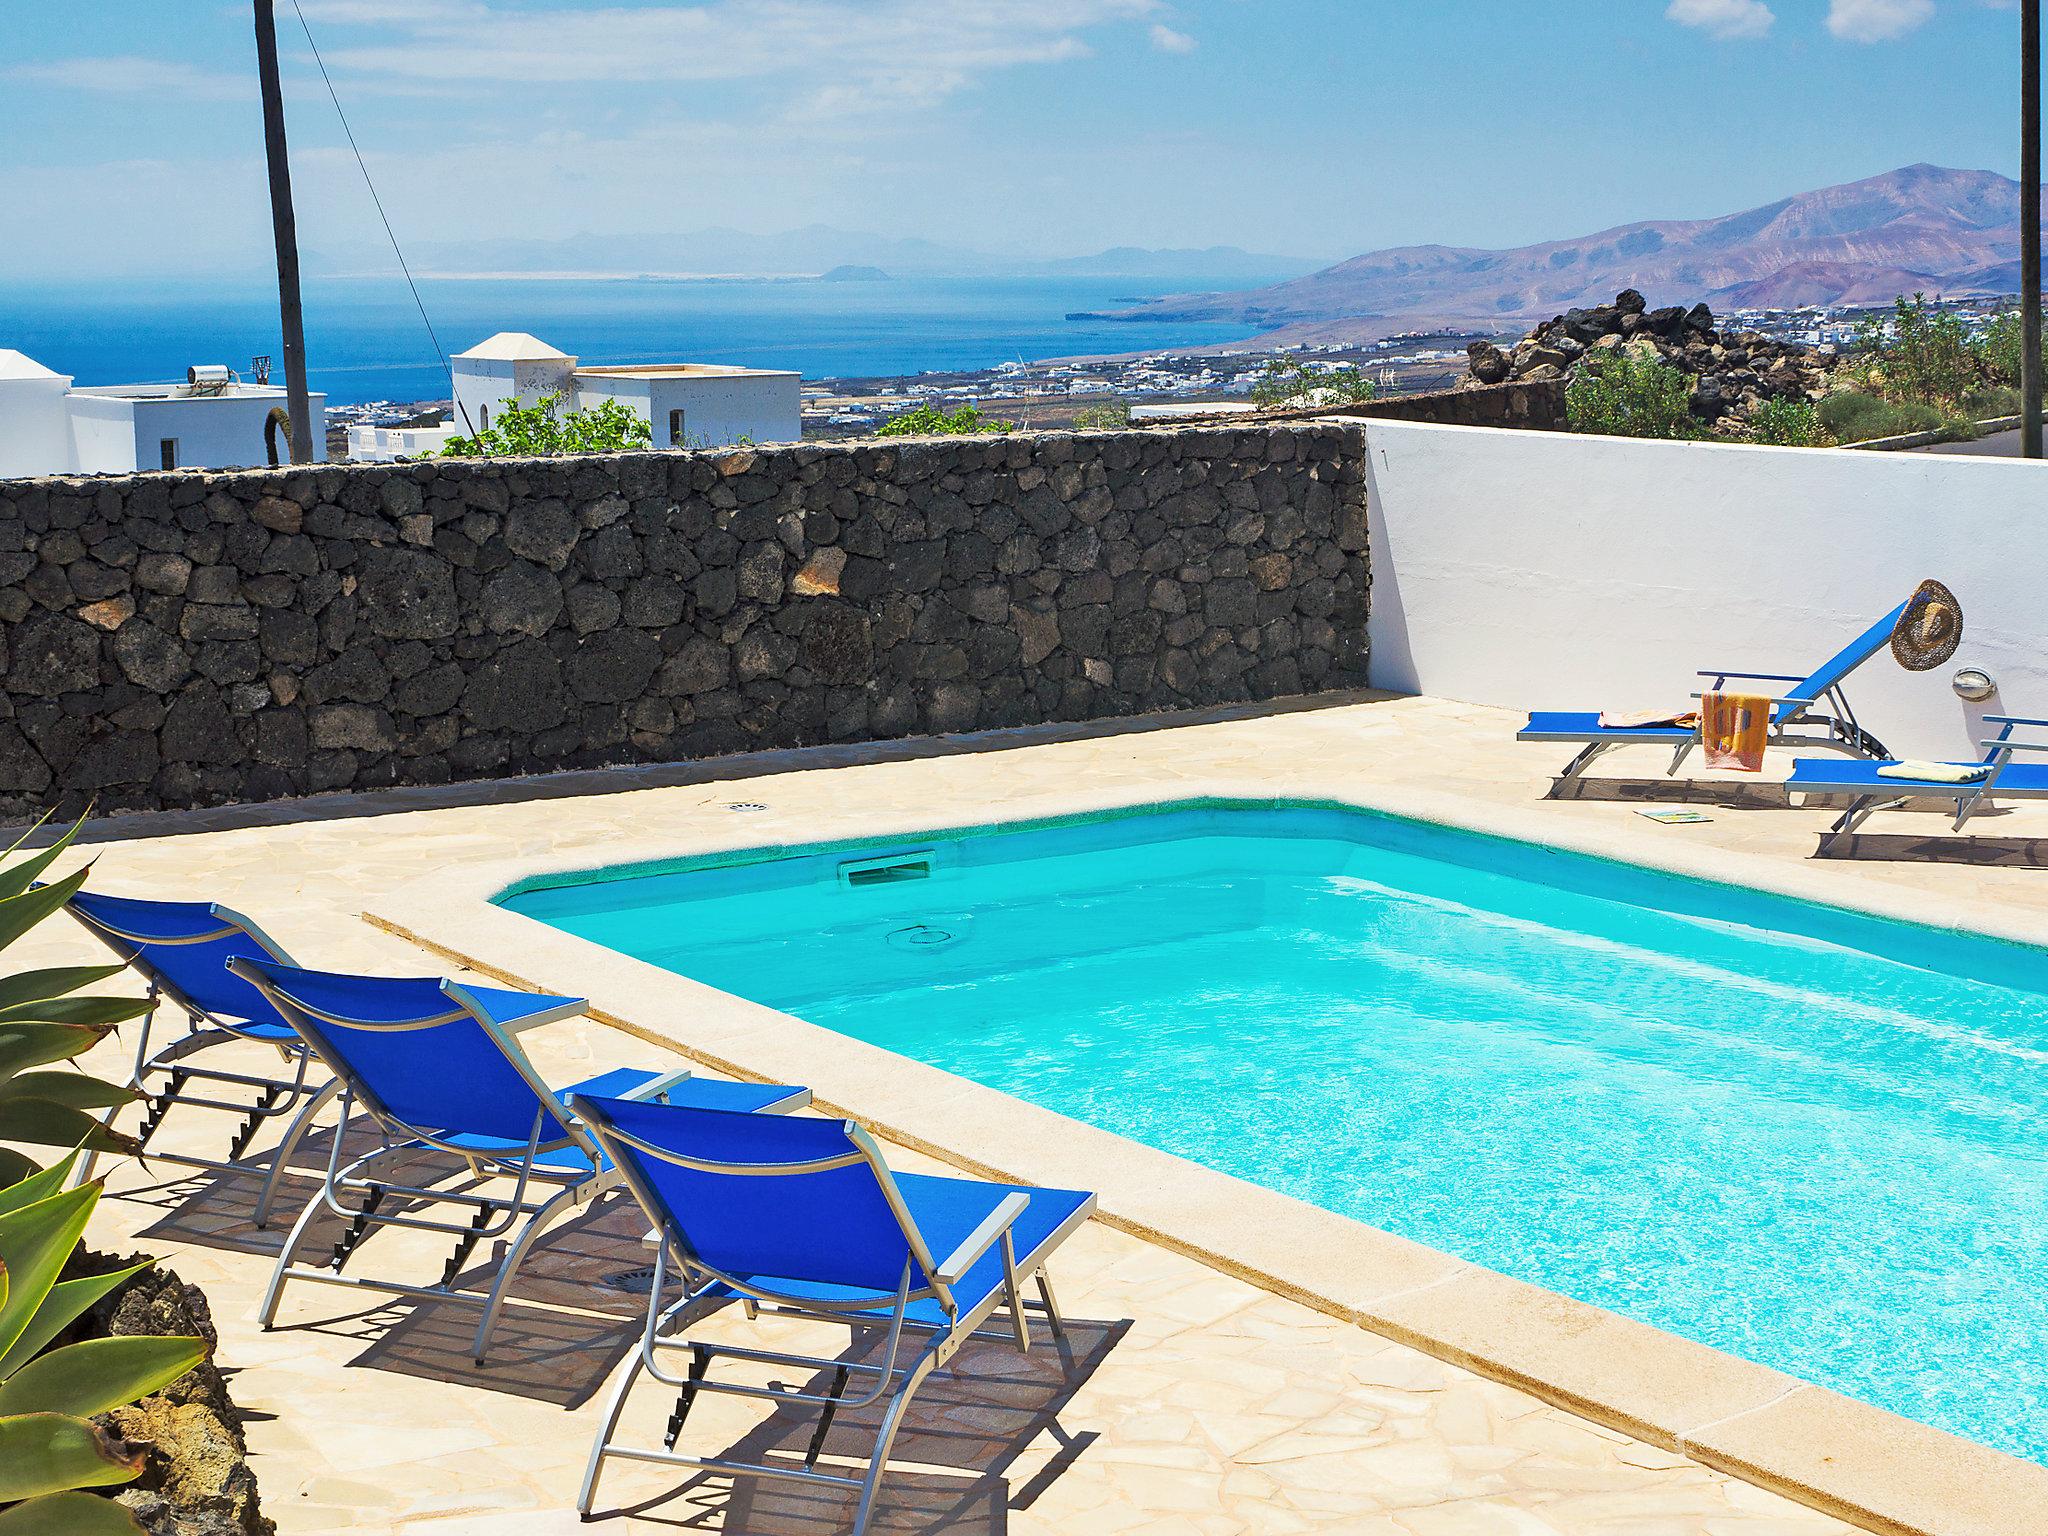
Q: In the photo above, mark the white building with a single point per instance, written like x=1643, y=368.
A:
x=370, y=444
x=685, y=405
x=212, y=421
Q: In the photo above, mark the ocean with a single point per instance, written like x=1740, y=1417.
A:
x=365, y=342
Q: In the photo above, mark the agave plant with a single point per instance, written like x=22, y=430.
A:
x=50, y=1451
x=43, y=1024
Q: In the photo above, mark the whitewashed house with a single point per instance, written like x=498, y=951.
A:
x=212, y=421
x=685, y=405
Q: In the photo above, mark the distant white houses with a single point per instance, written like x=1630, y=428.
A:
x=686, y=405
x=212, y=421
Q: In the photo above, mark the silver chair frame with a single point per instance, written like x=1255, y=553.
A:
x=1838, y=731
x=276, y=1096
x=369, y=1176
x=903, y=1368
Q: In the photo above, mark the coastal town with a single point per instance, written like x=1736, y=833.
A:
x=1182, y=383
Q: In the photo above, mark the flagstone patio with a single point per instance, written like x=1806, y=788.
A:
x=1184, y=1401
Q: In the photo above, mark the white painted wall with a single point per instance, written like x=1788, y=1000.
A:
x=481, y=385
x=1541, y=570
x=759, y=407
x=381, y=445
x=102, y=434
x=216, y=431
x=35, y=428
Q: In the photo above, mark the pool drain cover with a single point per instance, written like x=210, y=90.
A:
x=635, y=1282
x=746, y=807
x=923, y=936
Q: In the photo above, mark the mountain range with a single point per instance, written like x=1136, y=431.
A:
x=1923, y=227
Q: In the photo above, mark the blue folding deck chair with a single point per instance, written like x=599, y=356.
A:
x=181, y=949
x=1873, y=791
x=1797, y=719
x=433, y=1066
x=803, y=1218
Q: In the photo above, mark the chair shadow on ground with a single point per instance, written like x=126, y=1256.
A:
x=1946, y=848
x=1939, y=844
x=570, y=1317
x=1717, y=792
x=965, y=1429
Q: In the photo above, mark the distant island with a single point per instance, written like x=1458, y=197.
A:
x=853, y=274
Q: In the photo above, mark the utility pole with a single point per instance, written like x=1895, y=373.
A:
x=2030, y=228
x=284, y=225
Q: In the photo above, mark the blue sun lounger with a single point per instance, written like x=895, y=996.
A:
x=433, y=1067
x=181, y=949
x=1873, y=792
x=1797, y=717
x=803, y=1218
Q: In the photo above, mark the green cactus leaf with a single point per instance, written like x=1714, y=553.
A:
x=36, y=826
x=89, y=1011
x=48, y=1453
x=69, y=1514
x=72, y=1088
x=90, y=1377
x=23, y=1182
x=53, y=981
x=37, y=1045
x=17, y=878
x=42, y=1123
x=22, y=911
x=35, y=1186
x=35, y=1240
x=67, y=1300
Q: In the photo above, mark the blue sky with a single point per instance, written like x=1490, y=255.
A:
x=129, y=140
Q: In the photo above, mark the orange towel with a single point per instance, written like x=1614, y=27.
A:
x=1733, y=728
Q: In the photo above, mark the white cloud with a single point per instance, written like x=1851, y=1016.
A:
x=1725, y=19
x=134, y=75
x=864, y=56
x=1166, y=40
x=1876, y=21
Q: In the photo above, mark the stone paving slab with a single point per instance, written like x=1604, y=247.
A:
x=1197, y=1403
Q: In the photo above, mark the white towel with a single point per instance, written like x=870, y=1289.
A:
x=1934, y=773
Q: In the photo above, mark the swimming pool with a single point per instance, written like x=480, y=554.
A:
x=1805, y=1136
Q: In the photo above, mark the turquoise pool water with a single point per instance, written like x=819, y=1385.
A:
x=1807, y=1137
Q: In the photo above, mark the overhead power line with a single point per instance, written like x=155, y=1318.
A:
x=370, y=182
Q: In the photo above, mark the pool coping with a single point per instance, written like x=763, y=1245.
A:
x=1838, y=1454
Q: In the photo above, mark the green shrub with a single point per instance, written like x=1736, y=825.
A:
x=43, y=1026
x=1630, y=393
x=541, y=431
x=1854, y=417
x=1110, y=416
x=1288, y=383
x=1787, y=423
x=2000, y=350
x=1994, y=401
x=50, y=1450
x=930, y=421
x=1921, y=354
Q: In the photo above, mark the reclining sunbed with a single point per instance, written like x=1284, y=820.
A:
x=802, y=1218
x=181, y=949
x=1875, y=791
x=1797, y=715
x=433, y=1066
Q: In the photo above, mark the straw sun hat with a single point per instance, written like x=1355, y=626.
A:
x=1930, y=629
